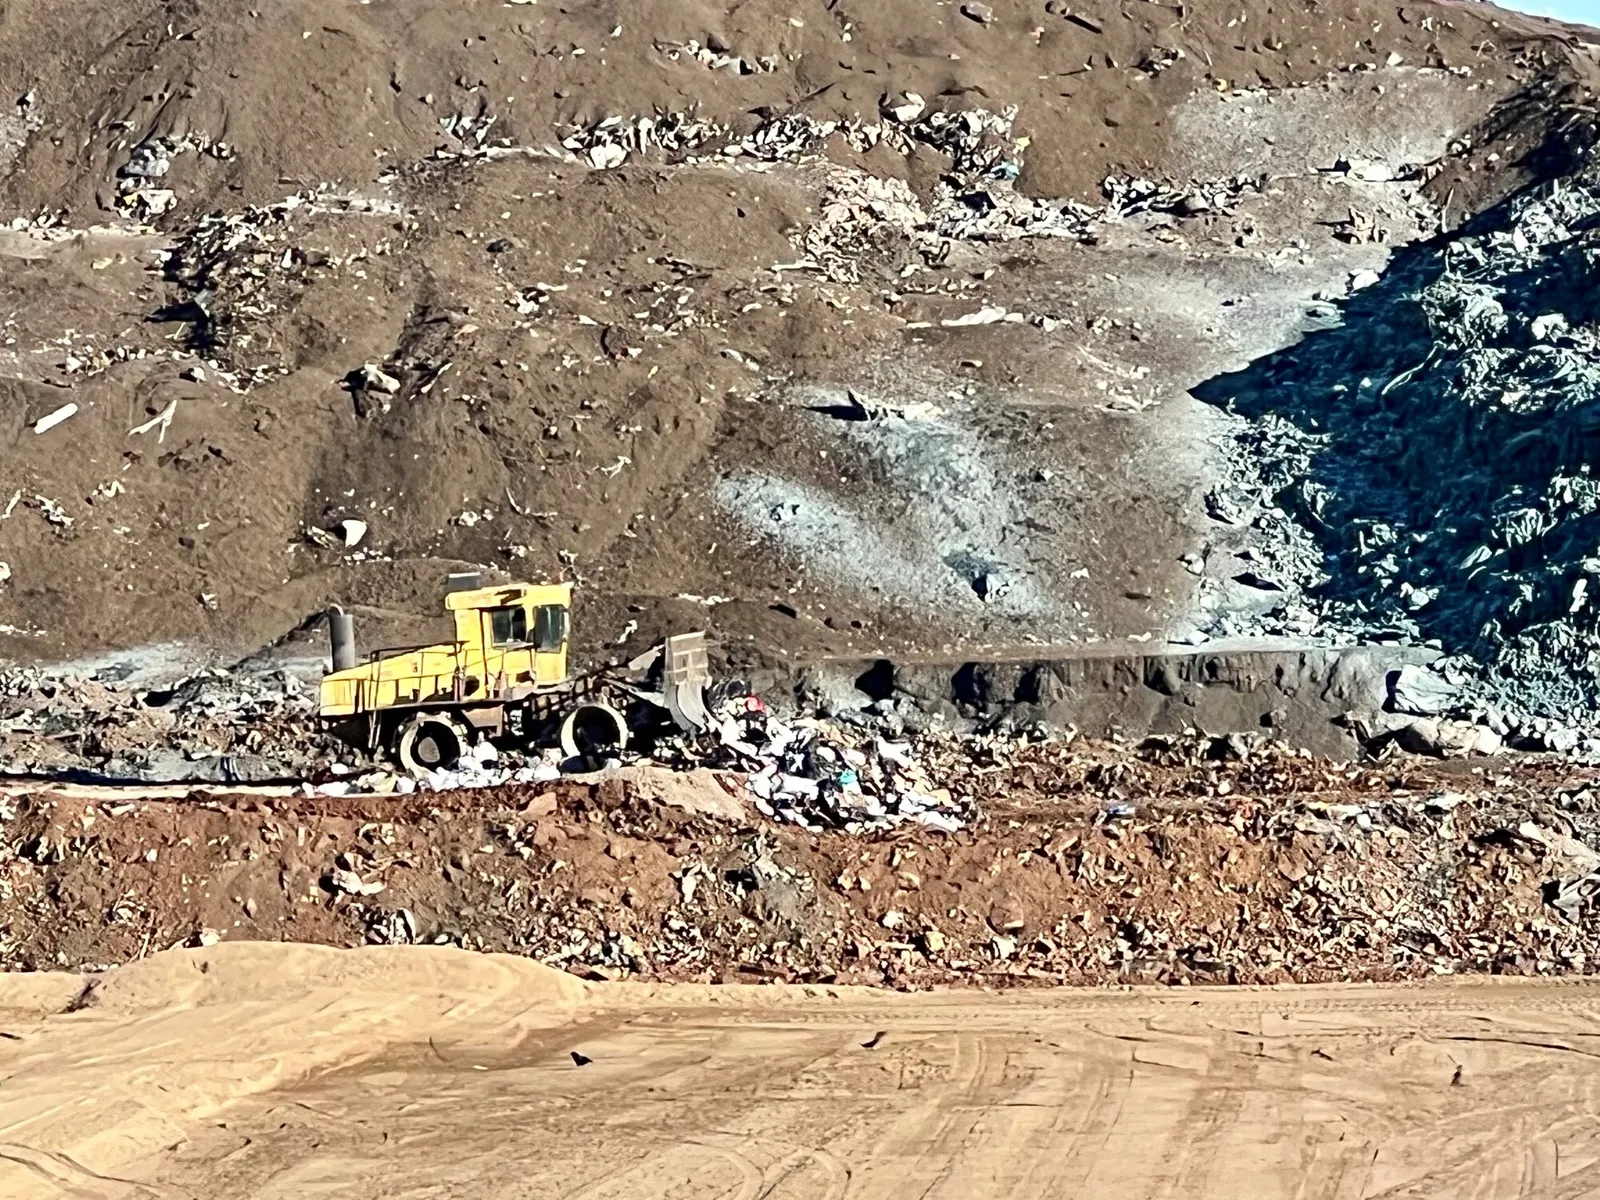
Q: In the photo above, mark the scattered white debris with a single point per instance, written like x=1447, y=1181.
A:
x=1548, y=326
x=906, y=108
x=820, y=775
x=352, y=884
x=988, y=315
x=53, y=512
x=162, y=421
x=53, y=419
x=374, y=378
x=606, y=156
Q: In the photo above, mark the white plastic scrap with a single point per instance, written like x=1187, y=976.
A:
x=988, y=315
x=352, y=884
x=161, y=421
x=374, y=378
x=53, y=419
x=807, y=773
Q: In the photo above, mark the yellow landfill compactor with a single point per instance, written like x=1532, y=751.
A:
x=505, y=679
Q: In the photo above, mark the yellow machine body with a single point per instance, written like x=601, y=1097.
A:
x=510, y=643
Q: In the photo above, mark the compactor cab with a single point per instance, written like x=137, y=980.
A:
x=504, y=676
x=518, y=633
x=509, y=642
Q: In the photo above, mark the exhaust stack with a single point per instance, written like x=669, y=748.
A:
x=342, y=638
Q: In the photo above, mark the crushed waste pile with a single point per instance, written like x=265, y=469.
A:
x=1425, y=468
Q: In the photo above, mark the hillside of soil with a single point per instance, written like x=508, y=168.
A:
x=833, y=328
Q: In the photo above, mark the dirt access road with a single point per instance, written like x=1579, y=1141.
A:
x=249, y=1070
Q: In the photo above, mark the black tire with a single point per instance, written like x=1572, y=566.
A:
x=431, y=744
x=594, y=732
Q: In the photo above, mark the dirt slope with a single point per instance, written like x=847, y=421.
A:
x=255, y=1071
x=318, y=94
x=542, y=367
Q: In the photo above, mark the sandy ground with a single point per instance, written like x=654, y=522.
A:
x=276, y=1071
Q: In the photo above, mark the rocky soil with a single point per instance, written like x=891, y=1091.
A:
x=1182, y=860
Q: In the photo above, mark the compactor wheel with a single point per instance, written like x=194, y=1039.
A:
x=431, y=743
x=594, y=731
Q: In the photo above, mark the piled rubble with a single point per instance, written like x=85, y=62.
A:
x=239, y=272
x=220, y=726
x=861, y=219
x=974, y=200
x=716, y=57
x=235, y=268
x=818, y=774
x=607, y=143
x=215, y=726
x=1127, y=197
x=1424, y=471
x=140, y=191
x=1184, y=859
x=485, y=766
x=823, y=775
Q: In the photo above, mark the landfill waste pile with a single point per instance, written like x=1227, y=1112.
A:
x=824, y=775
x=818, y=774
x=231, y=270
x=969, y=374
x=1182, y=859
x=558, y=299
x=214, y=726
x=226, y=727
x=1424, y=471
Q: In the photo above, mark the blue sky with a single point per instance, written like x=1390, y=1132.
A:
x=1586, y=11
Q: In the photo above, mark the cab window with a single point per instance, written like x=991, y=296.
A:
x=549, y=627
x=508, y=626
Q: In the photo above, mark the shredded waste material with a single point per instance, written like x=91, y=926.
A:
x=850, y=773
x=822, y=775
x=1180, y=859
x=1424, y=468
x=215, y=726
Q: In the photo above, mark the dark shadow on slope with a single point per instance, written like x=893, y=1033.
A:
x=1444, y=436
